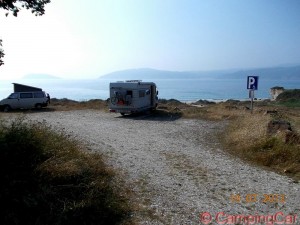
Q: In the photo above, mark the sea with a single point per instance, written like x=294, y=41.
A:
x=185, y=90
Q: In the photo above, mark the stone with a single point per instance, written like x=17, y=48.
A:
x=276, y=126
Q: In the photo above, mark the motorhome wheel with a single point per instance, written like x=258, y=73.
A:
x=38, y=106
x=6, y=108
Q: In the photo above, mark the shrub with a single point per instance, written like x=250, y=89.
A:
x=247, y=137
x=289, y=98
x=289, y=94
x=49, y=178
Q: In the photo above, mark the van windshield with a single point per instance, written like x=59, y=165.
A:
x=13, y=96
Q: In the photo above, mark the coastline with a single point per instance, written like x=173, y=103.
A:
x=182, y=90
x=172, y=99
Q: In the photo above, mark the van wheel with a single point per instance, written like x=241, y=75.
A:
x=6, y=108
x=38, y=106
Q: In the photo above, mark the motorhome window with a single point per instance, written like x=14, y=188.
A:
x=38, y=95
x=129, y=93
x=25, y=95
x=141, y=93
x=13, y=96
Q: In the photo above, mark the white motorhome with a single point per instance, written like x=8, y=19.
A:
x=132, y=96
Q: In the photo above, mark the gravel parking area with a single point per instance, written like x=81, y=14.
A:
x=178, y=170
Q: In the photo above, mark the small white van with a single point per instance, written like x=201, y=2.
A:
x=25, y=100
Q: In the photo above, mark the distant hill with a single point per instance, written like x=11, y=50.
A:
x=40, y=76
x=146, y=73
x=273, y=73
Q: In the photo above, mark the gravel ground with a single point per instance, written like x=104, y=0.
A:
x=178, y=170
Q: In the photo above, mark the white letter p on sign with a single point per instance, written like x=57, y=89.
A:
x=252, y=82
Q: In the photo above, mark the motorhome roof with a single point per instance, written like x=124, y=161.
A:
x=133, y=81
x=129, y=84
x=130, y=81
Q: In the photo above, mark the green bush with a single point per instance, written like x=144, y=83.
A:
x=48, y=178
x=289, y=98
x=289, y=94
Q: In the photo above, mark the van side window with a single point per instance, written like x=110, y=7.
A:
x=25, y=95
x=38, y=95
x=141, y=93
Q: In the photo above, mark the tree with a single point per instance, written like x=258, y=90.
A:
x=1, y=54
x=14, y=6
x=36, y=6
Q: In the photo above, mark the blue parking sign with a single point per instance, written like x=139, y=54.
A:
x=252, y=82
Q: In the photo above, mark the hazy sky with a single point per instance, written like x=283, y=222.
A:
x=86, y=39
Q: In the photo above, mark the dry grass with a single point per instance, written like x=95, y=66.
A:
x=49, y=178
x=246, y=134
x=67, y=104
x=215, y=112
x=247, y=129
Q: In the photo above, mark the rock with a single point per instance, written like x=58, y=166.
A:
x=176, y=109
x=275, y=91
x=232, y=101
x=292, y=138
x=204, y=102
x=272, y=112
x=230, y=107
x=276, y=126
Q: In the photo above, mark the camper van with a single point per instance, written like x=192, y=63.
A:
x=132, y=96
x=25, y=97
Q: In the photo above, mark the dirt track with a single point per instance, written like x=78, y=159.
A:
x=177, y=169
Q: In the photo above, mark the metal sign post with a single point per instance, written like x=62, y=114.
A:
x=252, y=84
x=251, y=96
